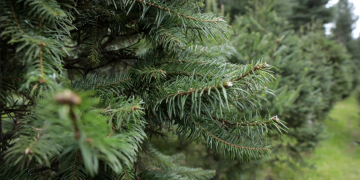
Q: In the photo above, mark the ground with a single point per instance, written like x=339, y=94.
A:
x=338, y=157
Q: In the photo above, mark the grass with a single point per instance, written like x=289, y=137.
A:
x=338, y=157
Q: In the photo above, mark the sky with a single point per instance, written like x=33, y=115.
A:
x=356, y=31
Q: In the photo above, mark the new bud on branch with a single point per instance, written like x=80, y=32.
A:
x=229, y=84
x=68, y=97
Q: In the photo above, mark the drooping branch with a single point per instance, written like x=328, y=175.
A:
x=255, y=68
x=169, y=34
x=93, y=59
x=176, y=73
x=219, y=87
x=245, y=124
x=14, y=15
x=228, y=143
x=113, y=83
x=71, y=63
x=178, y=13
x=41, y=65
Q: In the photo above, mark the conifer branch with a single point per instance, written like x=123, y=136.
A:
x=169, y=34
x=40, y=23
x=133, y=108
x=252, y=94
x=255, y=68
x=178, y=13
x=74, y=123
x=15, y=18
x=126, y=175
x=219, y=87
x=100, y=9
x=176, y=73
x=94, y=42
x=154, y=85
x=261, y=123
x=179, y=61
x=73, y=176
x=113, y=83
x=193, y=27
x=228, y=143
x=41, y=65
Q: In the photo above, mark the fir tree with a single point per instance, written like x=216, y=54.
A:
x=305, y=11
x=312, y=73
x=233, y=8
x=344, y=22
x=85, y=84
x=342, y=32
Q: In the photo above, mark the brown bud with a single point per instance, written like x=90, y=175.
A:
x=42, y=44
x=41, y=81
x=135, y=108
x=77, y=134
x=68, y=97
x=89, y=140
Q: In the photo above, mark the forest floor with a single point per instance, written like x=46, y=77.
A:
x=338, y=157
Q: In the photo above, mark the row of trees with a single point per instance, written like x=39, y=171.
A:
x=317, y=71
x=92, y=89
x=313, y=72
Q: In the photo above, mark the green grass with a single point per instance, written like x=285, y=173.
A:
x=337, y=158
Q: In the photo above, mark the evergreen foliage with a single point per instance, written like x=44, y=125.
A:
x=308, y=63
x=344, y=23
x=312, y=74
x=305, y=11
x=342, y=32
x=84, y=83
x=318, y=71
x=233, y=8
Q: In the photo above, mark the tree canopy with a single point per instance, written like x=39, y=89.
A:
x=86, y=84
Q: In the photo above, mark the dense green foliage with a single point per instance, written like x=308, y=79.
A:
x=306, y=11
x=86, y=84
x=309, y=64
x=345, y=19
x=344, y=23
x=135, y=89
x=313, y=73
x=342, y=32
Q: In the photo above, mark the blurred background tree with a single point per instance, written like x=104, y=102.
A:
x=305, y=11
x=344, y=22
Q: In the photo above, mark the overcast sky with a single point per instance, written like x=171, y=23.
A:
x=356, y=3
